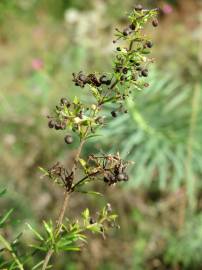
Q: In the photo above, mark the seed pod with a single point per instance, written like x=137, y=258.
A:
x=64, y=101
x=139, y=7
x=106, y=180
x=57, y=126
x=121, y=177
x=126, y=32
x=125, y=70
x=82, y=77
x=80, y=115
x=93, y=80
x=146, y=85
x=113, y=113
x=149, y=44
x=51, y=124
x=118, y=69
x=108, y=82
x=144, y=72
x=91, y=220
x=132, y=26
x=104, y=80
x=155, y=23
x=68, y=139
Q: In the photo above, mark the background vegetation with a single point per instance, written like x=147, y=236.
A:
x=41, y=44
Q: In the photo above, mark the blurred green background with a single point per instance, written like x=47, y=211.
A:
x=41, y=43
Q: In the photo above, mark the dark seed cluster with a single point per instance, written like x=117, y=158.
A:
x=81, y=80
x=59, y=174
x=111, y=167
x=74, y=115
x=57, y=125
x=128, y=65
x=117, y=175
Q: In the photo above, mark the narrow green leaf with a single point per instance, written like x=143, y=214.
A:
x=86, y=213
x=5, y=217
x=37, y=265
x=43, y=171
x=93, y=136
x=90, y=192
x=35, y=232
x=94, y=228
x=9, y=248
x=72, y=249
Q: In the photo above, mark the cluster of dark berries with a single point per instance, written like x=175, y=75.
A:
x=65, y=115
x=135, y=70
x=60, y=175
x=81, y=80
x=139, y=8
x=112, y=167
x=58, y=125
x=129, y=69
x=118, y=174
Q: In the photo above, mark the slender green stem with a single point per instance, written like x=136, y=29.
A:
x=83, y=179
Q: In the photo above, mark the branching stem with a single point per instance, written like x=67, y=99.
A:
x=64, y=207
